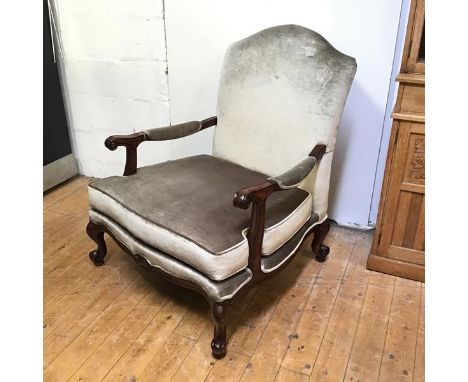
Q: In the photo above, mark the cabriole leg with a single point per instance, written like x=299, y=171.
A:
x=97, y=235
x=321, y=250
x=218, y=313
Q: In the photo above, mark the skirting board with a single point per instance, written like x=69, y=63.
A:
x=58, y=171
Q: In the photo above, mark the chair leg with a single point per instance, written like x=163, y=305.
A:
x=97, y=235
x=321, y=250
x=218, y=313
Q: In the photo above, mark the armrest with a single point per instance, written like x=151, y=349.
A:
x=132, y=141
x=299, y=172
x=257, y=196
x=180, y=130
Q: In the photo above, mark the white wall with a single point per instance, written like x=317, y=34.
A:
x=387, y=127
x=115, y=72
x=198, y=33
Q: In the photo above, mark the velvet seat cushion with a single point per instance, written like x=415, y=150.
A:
x=184, y=208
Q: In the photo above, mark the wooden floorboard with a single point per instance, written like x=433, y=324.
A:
x=334, y=321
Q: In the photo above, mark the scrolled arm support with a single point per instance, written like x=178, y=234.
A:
x=258, y=193
x=257, y=196
x=132, y=141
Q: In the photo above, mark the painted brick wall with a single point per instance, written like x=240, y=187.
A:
x=115, y=78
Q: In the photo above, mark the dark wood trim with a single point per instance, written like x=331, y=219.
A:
x=318, y=152
x=96, y=233
x=131, y=143
x=257, y=196
x=321, y=250
x=209, y=122
x=219, y=312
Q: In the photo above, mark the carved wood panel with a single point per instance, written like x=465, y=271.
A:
x=415, y=165
x=402, y=235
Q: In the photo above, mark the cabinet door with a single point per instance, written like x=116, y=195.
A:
x=402, y=235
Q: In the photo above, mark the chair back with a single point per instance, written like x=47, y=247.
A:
x=281, y=92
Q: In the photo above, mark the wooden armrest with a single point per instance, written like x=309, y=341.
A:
x=257, y=196
x=132, y=141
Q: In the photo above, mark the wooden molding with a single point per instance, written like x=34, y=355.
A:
x=412, y=78
x=409, y=117
x=396, y=267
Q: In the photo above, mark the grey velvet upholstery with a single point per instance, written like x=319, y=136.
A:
x=184, y=207
x=273, y=262
x=173, y=132
x=282, y=91
x=293, y=177
x=216, y=290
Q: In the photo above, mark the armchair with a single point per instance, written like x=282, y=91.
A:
x=280, y=101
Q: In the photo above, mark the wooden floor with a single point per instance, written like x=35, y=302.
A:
x=314, y=322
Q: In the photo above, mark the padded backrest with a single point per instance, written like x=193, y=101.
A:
x=282, y=91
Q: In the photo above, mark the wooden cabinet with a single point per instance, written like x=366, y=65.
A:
x=398, y=246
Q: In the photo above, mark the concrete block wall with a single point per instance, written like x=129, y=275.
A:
x=115, y=70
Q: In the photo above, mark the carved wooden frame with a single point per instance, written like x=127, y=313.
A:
x=254, y=195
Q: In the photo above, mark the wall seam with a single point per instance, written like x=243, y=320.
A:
x=167, y=74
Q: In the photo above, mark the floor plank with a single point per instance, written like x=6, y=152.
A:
x=400, y=344
x=356, y=269
x=199, y=362
x=336, y=345
x=84, y=345
x=196, y=321
x=65, y=333
x=273, y=344
x=366, y=354
x=108, y=353
x=55, y=195
x=341, y=248
x=302, y=351
x=419, y=366
x=285, y=375
x=148, y=344
x=230, y=368
x=166, y=361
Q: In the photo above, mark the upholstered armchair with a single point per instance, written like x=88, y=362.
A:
x=220, y=223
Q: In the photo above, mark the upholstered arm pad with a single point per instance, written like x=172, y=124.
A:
x=132, y=141
x=285, y=181
x=178, y=131
x=296, y=175
x=159, y=134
